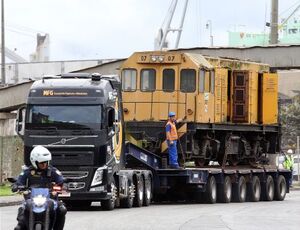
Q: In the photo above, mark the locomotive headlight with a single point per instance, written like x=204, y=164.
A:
x=160, y=58
x=98, y=176
x=153, y=58
x=39, y=200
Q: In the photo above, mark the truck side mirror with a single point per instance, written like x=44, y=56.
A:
x=110, y=117
x=20, y=122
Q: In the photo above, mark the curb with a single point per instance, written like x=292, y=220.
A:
x=11, y=200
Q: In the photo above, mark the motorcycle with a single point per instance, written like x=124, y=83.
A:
x=40, y=206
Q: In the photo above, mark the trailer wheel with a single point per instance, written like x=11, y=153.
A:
x=148, y=191
x=240, y=190
x=128, y=201
x=110, y=204
x=211, y=190
x=280, y=188
x=268, y=189
x=254, y=189
x=225, y=190
x=139, y=192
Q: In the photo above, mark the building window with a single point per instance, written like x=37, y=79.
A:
x=168, y=80
x=188, y=80
x=148, y=80
x=201, y=80
x=129, y=80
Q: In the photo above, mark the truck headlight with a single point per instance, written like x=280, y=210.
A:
x=39, y=200
x=98, y=176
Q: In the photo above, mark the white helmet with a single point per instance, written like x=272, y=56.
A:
x=290, y=151
x=39, y=154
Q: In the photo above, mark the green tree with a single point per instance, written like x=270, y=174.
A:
x=290, y=120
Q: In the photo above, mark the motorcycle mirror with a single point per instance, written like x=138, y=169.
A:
x=12, y=179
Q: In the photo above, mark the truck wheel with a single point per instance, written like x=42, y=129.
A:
x=148, y=191
x=225, y=190
x=139, y=192
x=268, y=189
x=254, y=189
x=240, y=190
x=211, y=190
x=109, y=204
x=128, y=201
x=280, y=188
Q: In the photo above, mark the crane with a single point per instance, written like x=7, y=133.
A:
x=286, y=19
x=160, y=41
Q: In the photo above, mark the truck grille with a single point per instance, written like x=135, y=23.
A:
x=75, y=175
x=63, y=157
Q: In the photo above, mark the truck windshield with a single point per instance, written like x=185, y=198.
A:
x=65, y=116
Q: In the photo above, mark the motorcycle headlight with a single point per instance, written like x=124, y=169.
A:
x=39, y=200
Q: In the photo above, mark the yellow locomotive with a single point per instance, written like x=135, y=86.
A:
x=230, y=105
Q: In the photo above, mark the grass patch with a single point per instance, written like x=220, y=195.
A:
x=5, y=190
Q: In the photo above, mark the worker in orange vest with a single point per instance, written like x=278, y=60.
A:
x=172, y=137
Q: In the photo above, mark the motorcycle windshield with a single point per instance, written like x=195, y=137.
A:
x=39, y=197
x=40, y=191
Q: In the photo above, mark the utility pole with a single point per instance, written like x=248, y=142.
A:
x=2, y=44
x=274, y=23
x=209, y=26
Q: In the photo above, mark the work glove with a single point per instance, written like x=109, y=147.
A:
x=14, y=188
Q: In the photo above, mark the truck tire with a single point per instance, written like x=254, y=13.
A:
x=147, y=191
x=110, y=204
x=128, y=201
x=139, y=192
x=268, y=189
x=211, y=190
x=240, y=190
x=225, y=191
x=254, y=189
x=280, y=188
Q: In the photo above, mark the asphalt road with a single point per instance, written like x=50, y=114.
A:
x=236, y=216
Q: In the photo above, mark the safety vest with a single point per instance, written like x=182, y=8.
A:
x=288, y=163
x=173, y=131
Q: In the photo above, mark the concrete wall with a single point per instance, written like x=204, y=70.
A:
x=11, y=156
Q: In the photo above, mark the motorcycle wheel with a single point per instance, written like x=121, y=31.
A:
x=38, y=227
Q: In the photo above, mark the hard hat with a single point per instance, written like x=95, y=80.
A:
x=39, y=154
x=172, y=114
x=290, y=151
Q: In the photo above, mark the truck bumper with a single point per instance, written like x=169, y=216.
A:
x=91, y=196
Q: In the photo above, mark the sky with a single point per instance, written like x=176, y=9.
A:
x=96, y=29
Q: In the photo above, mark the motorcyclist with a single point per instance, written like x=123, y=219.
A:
x=40, y=174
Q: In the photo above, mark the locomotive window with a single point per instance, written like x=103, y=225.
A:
x=168, y=80
x=212, y=81
x=148, y=79
x=240, y=80
x=207, y=82
x=188, y=80
x=201, y=80
x=129, y=80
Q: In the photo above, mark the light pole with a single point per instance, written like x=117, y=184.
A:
x=2, y=44
x=209, y=26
